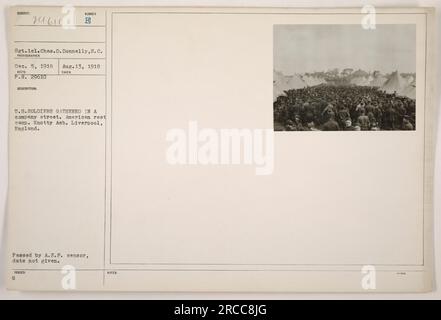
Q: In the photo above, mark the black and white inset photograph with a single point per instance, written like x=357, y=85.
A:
x=344, y=78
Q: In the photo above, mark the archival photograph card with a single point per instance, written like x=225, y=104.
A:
x=184, y=149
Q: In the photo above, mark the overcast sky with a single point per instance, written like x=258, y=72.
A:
x=308, y=48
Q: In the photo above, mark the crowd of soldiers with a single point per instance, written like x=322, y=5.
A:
x=334, y=108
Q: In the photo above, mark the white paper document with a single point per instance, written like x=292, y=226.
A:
x=221, y=149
